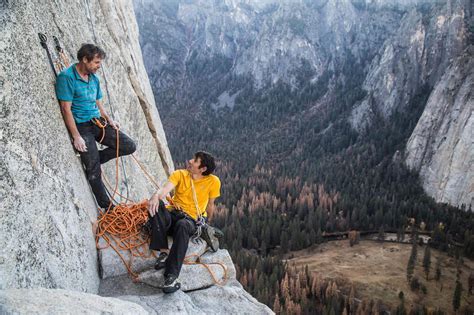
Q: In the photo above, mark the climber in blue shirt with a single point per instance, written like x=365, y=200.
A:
x=80, y=96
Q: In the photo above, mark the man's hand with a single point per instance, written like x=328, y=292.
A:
x=114, y=124
x=80, y=144
x=153, y=204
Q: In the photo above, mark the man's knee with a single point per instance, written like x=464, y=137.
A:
x=162, y=206
x=128, y=147
x=132, y=147
x=184, y=226
x=162, y=215
x=93, y=170
x=92, y=176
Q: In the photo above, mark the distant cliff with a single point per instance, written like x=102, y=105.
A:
x=441, y=147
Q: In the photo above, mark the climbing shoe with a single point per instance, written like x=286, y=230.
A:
x=171, y=284
x=161, y=261
x=146, y=228
x=210, y=235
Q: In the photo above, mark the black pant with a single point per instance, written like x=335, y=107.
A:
x=93, y=158
x=180, y=227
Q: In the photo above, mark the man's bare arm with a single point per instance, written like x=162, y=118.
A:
x=154, y=201
x=211, y=206
x=78, y=142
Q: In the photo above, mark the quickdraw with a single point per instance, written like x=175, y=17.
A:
x=62, y=61
x=44, y=44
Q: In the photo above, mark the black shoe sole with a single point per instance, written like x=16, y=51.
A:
x=160, y=265
x=212, y=242
x=172, y=289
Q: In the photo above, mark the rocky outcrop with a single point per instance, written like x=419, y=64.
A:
x=229, y=299
x=441, y=147
x=208, y=278
x=46, y=238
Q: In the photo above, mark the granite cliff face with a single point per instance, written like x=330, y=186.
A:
x=47, y=207
x=47, y=249
x=401, y=49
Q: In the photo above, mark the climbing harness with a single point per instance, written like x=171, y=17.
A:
x=204, y=230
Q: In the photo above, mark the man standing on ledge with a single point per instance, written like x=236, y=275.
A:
x=79, y=93
x=195, y=192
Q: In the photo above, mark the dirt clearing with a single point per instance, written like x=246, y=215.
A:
x=378, y=271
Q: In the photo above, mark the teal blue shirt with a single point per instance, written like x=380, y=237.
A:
x=70, y=87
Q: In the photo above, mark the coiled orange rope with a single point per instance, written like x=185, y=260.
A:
x=121, y=230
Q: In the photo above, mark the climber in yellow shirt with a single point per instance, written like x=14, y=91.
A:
x=195, y=190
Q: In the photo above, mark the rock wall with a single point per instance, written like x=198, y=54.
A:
x=47, y=208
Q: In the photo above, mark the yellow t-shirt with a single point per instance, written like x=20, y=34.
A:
x=206, y=188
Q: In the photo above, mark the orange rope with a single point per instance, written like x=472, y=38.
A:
x=145, y=172
x=121, y=230
x=109, y=187
x=207, y=266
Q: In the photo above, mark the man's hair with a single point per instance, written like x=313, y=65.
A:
x=90, y=51
x=207, y=160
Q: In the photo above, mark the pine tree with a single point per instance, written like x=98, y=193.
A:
x=360, y=308
x=412, y=261
x=470, y=282
x=276, y=304
x=352, y=298
x=438, y=269
x=285, y=293
x=457, y=296
x=427, y=261
x=381, y=236
x=375, y=308
x=401, y=307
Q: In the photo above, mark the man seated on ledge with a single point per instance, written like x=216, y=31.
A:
x=196, y=189
x=79, y=93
